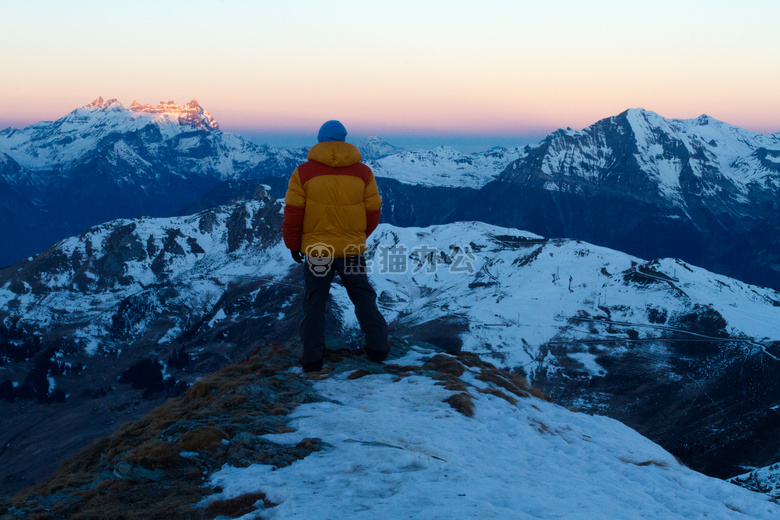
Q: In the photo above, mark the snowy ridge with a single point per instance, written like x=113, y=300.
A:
x=197, y=255
x=189, y=131
x=154, y=132
x=715, y=147
x=519, y=289
x=524, y=290
x=697, y=189
x=444, y=166
x=191, y=113
x=395, y=448
x=374, y=147
x=721, y=156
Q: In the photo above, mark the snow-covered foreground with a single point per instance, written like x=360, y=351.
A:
x=396, y=450
x=763, y=480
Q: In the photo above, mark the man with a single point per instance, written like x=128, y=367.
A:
x=332, y=205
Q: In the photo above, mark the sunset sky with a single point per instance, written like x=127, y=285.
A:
x=490, y=68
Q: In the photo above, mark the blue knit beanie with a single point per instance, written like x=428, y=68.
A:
x=332, y=131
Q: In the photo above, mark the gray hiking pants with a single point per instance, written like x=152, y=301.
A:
x=352, y=271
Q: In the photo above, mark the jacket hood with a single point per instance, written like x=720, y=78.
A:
x=335, y=153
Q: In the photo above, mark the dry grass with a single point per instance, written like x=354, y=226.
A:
x=540, y=395
x=499, y=393
x=197, y=418
x=155, y=454
x=357, y=374
x=230, y=402
x=472, y=360
x=517, y=385
x=74, y=472
x=652, y=462
x=122, y=500
x=450, y=382
x=541, y=427
x=462, y=402
x=204, y=438
x=445, y=364
x=215, y=409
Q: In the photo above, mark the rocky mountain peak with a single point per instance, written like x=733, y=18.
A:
x=101, y=103
x=191, y=113
x=374, y=147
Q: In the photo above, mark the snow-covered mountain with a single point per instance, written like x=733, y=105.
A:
x=698, y=189
x=685, y=356
x=374, y=147
x=671, y=349
x=663, y=158
x=185, y=138
x=104, y=161
x=695, y=189
x=445, y=167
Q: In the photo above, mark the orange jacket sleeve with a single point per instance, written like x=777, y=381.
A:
x=294, y=209
x=373, y=203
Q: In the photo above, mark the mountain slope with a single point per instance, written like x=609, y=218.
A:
x=444, y=166
x=687, y=357
x=425, y=435
x=104, y=161
x=136, y=309
x=646, y=185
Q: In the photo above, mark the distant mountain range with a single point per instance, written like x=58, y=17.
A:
x=700, y=189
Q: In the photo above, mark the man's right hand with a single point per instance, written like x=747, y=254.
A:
x=297, y=256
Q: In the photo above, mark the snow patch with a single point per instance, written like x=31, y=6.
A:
x=396, y=449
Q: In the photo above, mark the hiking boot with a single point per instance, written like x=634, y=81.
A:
x=312, y=366
x=376, y=356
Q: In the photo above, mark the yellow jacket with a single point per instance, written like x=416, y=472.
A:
x=331, y=199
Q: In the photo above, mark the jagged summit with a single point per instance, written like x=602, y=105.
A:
x=374, y=147
x=101, y=103
x=191, y=113
x=81, y=133
x=683, y=125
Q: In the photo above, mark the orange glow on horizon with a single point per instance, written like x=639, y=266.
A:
x=433, y=67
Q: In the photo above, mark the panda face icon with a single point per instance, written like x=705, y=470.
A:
x=319, y=256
